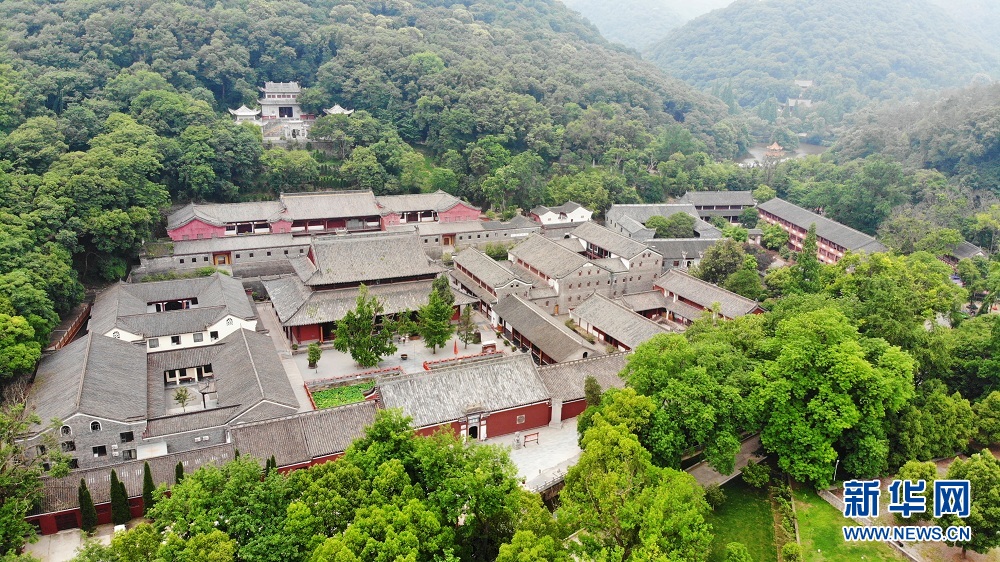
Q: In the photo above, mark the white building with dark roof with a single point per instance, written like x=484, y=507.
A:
x=561, y=277
x=174, y=314
x=833, y=239
x=481, y=276
x=568, y=212
x=634, y=266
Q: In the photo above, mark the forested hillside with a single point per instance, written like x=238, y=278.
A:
x=980, y=16
x=853, y=51
x=112, y=110
x=637, y=23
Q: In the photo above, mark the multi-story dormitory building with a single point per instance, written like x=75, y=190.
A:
x=833, y=239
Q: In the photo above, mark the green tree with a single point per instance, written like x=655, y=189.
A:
x=677, y=225
x=88, y=513
x=148, y=488
x=120, y=511
x=933, y=425
x=988, y=418
x=829, y=389
x=807, y=268
x=314, y=354
x=745, y=281
x=466, y=328
x=183, y=397
x=410, y=531
x=209, y=546
x=361, y=335
x=443, y=289
x=178, y=473
x=982, y=470
x=19, y=349
x=592, y=391
x=756, y=474
x=721, y=260
x=773, y=237
x=738, y=552
x=434, y=321
x=525, y=546
x=623, y=503
x=916, y=471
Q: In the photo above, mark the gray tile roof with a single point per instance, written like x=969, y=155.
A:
x=548, y=256
x=964, y=250
x=94, y=375
x=704, y=294
x=833, y=231
x=519, y=221
x=444, y=395
x=282, y=87
x=218, y=214
x=361, y=258
x=61, y=494
x=438, y=201
x=330, y=205
x=565, y=381
x=609, y=240
x=699, y=198
x=124, y=305
x=238, y=243
x=677, y=248
x=297, y=305
x=642, y=213
x=158, y=324
x=641, y=302
x=190, y=421
x=246, y=371
x=616, y=321
x=438, y=228
x=542, y=329
x=485, y=268
x=303, y=437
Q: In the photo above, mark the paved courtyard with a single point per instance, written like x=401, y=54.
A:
x=549, y=458
x=62, y=546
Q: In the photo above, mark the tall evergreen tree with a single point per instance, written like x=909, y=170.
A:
x=443, y=289
x=434, y=322
x=466, y=327
x=88, y=513
x=807, y=268
x=148, y=487
x=179, y=472
x=120, y=512
x=592, y=391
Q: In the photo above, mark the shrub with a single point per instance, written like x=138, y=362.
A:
x=756, y=475
x=791, y=552
x=715, y=496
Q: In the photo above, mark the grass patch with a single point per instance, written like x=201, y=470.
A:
x=746, y=518
x=822, y=538
x=341, y=395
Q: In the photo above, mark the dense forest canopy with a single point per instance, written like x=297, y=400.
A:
x=980, y=16
x=852, y=50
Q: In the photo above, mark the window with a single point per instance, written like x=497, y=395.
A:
x=199, y=337
x=67, y=446
x=127, y=436
x=251, y=254
x=520, y=419
x=237, y=256
x=269, y=253
x=154, y=343
x=74, y=464
x=175, y=340
x=100, y=451
x=213, y=335
x=286, y=252
x=182, y=260
x=128, y=454
x=204, y=258
x=65, y=430
x=301, y=250
x=95, y=426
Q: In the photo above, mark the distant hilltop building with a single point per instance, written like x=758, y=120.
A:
x=280, y=116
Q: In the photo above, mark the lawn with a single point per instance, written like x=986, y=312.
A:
x=822, y=538
x=746, y=518
x=341, y=395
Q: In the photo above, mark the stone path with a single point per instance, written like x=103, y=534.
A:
x=271, y=323
x=706, y=475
